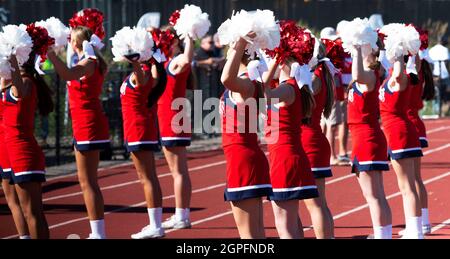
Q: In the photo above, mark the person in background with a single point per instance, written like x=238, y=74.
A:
x=208, y=65
x=440, y=55
x=336, y=123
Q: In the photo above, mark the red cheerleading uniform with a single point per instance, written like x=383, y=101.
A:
x=314, y=142
x=247, y=167
x=139, y=120
x=172, y=133
x=89, y=122
x=403, y=140
x=415, y=105
x=290, y=170
x=25, y=156
x=5, y=166
x=369, y=147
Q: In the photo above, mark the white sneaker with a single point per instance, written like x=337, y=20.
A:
x=426, y=229
x=148, y=232
x=172, y=222
x=92, y=236
x=370, y=236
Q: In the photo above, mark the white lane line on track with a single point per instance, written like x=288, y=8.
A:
x=124, y=208
x=195, y=169
x=219, y=163
x=130, y=163
x=341, y=215
x=441, y=225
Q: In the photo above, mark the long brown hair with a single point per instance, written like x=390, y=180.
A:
x=84, y=33
x=160, y=86
x=428, y=89
x=329, y=81
x=44, y=94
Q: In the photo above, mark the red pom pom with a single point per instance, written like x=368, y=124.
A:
x=41, y=40
x=91, y=18
x=423, y=38
x=174, y=17
x=163, y=40
x=295, y=42
x=382, y=36
x=335, y=52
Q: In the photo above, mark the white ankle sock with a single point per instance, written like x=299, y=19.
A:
x=182, y=214
x=382, y=232
x=25, y=237
x=414, y=226
x=425, y=217
x=155, y=217
x=98, y=228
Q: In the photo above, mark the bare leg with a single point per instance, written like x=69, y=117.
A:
x=404, y=170
x=373, y=190
x=248, y=215
x=287, y=219
x=30, y=197
x=177, y=159
x=87, y=165
x=420, y=187
x=14, y=206
x=321, y=216
x=144, y=161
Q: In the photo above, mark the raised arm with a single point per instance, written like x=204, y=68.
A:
x=359, y=73
x=83, y=68
x=20, y=87
x=139, y=76
x=399, y=75
x=184, y=59
x=230, y=71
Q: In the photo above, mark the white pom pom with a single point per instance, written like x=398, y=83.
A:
x=400, y=41
x=267, y=31
x=57, y=30
x=14, y=40
x=358, y=33
x=129, y=41
x=411, y=39
x=5, y=68
x=261, y=22
x=192, y=22
x=239, y=25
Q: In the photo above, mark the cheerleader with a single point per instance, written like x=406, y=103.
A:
x=403, y=143
x=317, y=147
x=22, y=96
x=89, y=123
x=175, y=138
x=369, y=147
x=139, y=117
x=247, y=167
x=5, y=171
x=402, y=138
x=289, y=102
x=424, y=90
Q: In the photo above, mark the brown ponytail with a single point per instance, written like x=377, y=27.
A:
x=428, y=89
x=44, y=94
x=308, y=102
x=329, y=81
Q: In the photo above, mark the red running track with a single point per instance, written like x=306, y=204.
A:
x=211, y=217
